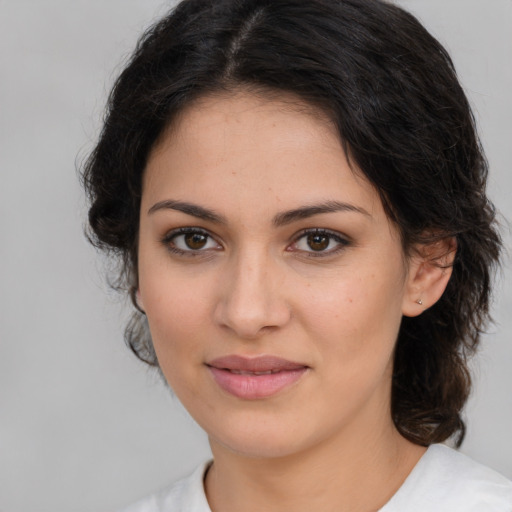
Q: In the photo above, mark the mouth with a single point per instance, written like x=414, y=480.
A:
x=241, y=372
x=255, y=378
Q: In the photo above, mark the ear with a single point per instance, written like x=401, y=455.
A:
x=430, y=269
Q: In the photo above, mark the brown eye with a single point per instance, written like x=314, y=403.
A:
x=191, y=241
x=195, y=241
x=318, y=242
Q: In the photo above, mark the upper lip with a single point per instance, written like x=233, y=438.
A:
x=263, y=363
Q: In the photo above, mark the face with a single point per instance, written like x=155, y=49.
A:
x=272, y=280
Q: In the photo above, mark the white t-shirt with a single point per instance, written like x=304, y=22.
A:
x=443, y=480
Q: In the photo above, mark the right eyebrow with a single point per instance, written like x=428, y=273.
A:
x=190, y=209
x=281, y=219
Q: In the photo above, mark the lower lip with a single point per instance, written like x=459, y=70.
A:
x=254, y=387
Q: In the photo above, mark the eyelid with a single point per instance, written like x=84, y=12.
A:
x=342, y=240
x=167, y=239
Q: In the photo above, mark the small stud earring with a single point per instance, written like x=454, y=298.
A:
x=420, y=302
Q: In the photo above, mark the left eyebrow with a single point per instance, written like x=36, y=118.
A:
x=190, y=209
x=304, y=212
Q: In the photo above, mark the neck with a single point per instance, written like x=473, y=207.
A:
x=357, y=471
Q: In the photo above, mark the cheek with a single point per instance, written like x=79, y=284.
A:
x=354, y=328
x=178, y=312
x=356, y=315
x=175, y=310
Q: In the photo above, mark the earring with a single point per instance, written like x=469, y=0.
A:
x=420, y=302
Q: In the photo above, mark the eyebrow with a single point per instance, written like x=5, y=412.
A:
x=281, y=219
x=190, y=209
x=304, y=212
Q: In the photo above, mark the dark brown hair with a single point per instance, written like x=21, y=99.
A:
x=393, y=94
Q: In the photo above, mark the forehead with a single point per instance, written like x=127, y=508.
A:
x=247, y=149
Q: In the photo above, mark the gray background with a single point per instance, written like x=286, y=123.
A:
x=83, y=425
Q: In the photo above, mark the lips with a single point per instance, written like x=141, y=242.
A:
x=255, y=378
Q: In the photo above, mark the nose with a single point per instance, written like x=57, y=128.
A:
x=252, y=300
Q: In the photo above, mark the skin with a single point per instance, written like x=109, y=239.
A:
x=257, y=288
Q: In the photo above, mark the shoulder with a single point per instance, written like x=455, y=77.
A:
x=186, y=495
x=445, y=480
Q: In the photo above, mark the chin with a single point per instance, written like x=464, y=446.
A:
x=261, y=436
x=259, y=446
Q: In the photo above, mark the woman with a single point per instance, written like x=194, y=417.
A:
x=297, y=194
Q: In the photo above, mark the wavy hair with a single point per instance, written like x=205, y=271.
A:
x=392, y=92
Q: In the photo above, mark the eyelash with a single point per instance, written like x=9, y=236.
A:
x=168, y=242
x=342, y=242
